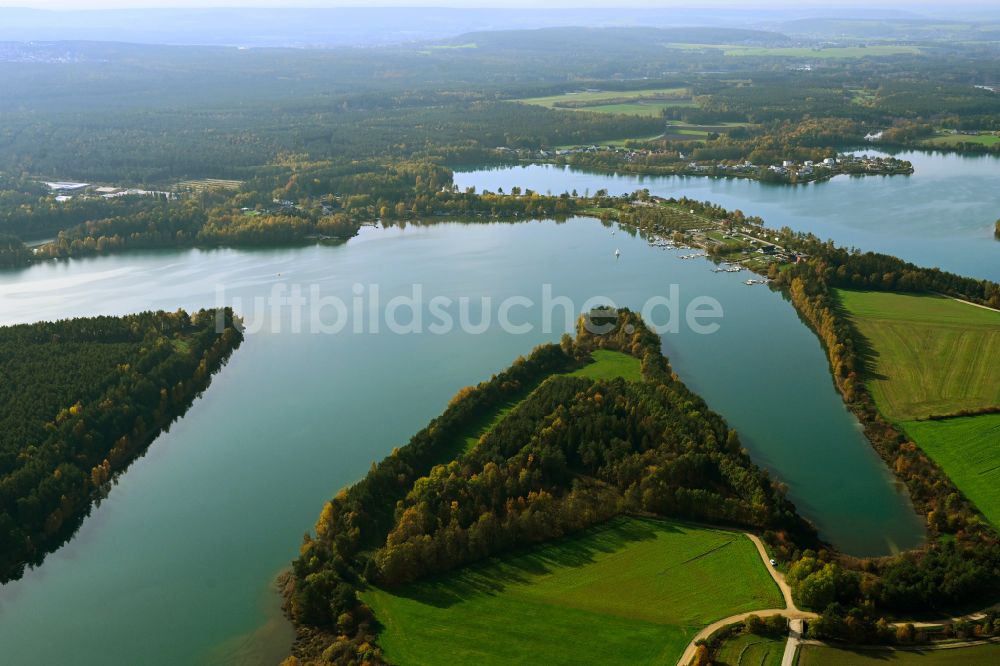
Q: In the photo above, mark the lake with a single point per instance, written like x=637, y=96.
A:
x=942, y=215
x=176, y=565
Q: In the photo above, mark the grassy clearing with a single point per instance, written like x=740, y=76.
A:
x=627, y=102
x=814, y=655
x=931, y=355
x=598, y=96
x=623, y=142
x=679, y=130
x=634, y=108
x=834, y=52
x=750, y=650
x=606, y=365
x=210, y=184
x=966, y=449
x=949, y=139
x=632, y=591
x=610, y=365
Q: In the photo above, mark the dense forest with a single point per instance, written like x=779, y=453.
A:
x=573, y=453
x=82, y=398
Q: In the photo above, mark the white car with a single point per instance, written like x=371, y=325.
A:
x=773, y=562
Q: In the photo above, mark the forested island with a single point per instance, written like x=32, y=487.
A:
x=573, y=452
x=83, y=398
x=415, y=534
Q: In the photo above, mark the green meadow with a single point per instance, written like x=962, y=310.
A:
x=968, y=450
x=611, y=364
x=815, y=655
x=626, y=102
x=750, y=650
x=930, y=355
x=631, y=591
x=949, y=139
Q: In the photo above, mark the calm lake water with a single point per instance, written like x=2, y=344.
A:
x=176, y=566
x=942, y=215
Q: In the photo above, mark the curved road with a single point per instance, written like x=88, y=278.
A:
x=790, y=610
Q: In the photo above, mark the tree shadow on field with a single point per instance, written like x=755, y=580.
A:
x=493, y=576
x=863, y=347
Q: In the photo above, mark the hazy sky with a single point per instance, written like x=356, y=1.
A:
x=110, y=4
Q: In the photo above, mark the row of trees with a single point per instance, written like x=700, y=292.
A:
x=958, y=570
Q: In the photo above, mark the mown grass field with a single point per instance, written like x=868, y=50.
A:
x=651, y=108
x=632, y=591
x=629, y=102
x=985, y=139
x=968, y=450
x=814, y=655
x=750, y=650
x=611, y=364
x=931, y=355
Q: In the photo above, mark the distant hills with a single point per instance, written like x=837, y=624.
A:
x=364, y=26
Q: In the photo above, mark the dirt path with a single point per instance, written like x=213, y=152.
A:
x=960, y=300
x=779, y=578
x=790, y=610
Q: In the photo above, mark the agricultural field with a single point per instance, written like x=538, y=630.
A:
x=680, y=131
x=954, y=139
x=833, y=52
x=751, y=650
x=626, y=102
x=930, y=355
x=815, y=655
x=632, y=591
x=966, y=449
x=623, y=142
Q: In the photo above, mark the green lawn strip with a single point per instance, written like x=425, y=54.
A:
x=623, y=142
x=930, y=355
x=751, y=650
x=631, y=591
x=597, y=96
x=967, y=450
x=606, y=365
x=955, y=139
x=815, y=655
x=610, y=142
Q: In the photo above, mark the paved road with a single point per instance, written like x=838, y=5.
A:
x=795, y=629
